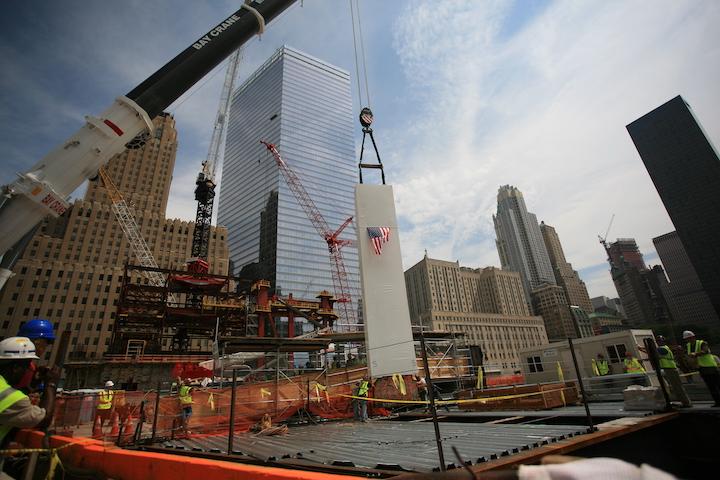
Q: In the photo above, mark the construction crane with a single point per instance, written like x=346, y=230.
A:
x=130, y=228
x=46, y=186
x=205, y=183
x=603, y=240
x=337, y=264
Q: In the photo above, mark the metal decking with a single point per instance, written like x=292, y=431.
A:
x=601, y=409
x=385, y=445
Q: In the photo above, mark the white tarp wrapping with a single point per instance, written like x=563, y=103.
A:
x=388, y=334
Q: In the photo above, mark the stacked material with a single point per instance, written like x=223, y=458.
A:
x=637, y=397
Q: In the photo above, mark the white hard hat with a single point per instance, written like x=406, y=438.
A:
x=687, y=334
x=109, y=384
x=17, y=348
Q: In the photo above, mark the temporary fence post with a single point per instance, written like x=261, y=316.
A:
x=155, y=413
x=308, y=396
x=582, y=387
x=651, y=350
x=277, y=379
x=431, y=395
x=141, y=422
x=231, y=426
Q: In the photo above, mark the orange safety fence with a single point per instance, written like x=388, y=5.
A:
x=76, y=414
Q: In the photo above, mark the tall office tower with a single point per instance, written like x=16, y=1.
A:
x=643, y=302
x=487, y=305
x=688, y=301
x=566, y=277
x=519, y=241
x=71, y=271
x=685, y=168
x=303, y=106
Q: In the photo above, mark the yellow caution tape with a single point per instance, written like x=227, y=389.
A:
x=399, y=383
x=451, y=402
x=54, y=457
x=320, y=387
x=561, y=378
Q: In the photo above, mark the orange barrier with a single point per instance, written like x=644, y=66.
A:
x=500, y=380
x=122, y=464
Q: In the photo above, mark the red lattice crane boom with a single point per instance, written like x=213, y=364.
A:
x=334, y=243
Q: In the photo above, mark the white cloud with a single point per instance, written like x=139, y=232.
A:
x=544, y=110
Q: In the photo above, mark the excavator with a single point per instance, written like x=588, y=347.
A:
x=45, y=188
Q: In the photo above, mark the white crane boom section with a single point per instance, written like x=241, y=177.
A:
x=216, y=142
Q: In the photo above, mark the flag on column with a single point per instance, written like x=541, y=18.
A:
x=378, y=236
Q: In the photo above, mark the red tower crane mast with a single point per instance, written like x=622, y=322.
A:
x=337, y=265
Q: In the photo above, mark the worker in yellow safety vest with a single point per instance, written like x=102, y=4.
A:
x=601, y=366
x=707, y=365
x=16, y=410
x=186, y=403
x=104, y=409
x=632, y=364
x=360, y=405
x=670, y=372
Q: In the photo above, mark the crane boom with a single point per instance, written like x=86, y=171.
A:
x=44, y=188
x=337, y=263
x=205, y=183
x=130, y=228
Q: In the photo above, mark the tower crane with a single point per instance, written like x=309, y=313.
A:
x=334, y=243
x=205, y=183
x=130, y=228
x=603, y=240
x=46, y=186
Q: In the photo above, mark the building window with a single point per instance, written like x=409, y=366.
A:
x=616, y=352
x=534, y=364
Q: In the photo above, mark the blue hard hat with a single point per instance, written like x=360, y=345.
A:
x=37, y=328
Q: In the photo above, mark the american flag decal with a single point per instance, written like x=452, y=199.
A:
x=378, y=236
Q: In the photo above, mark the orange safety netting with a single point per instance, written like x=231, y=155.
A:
x=281, y=399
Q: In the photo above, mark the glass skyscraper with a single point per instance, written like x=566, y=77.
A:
x=302, y=105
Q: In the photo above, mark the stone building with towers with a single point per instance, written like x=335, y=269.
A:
x=71, y=272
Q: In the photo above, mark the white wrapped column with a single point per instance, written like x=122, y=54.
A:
x=388, y=334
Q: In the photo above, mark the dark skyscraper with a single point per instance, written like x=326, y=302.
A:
x=685, y=169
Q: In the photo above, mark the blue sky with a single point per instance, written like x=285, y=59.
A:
x=467, y=95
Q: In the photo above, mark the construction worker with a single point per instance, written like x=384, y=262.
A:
x=422, y=389
x=186, y=403
x=707, y=365
x=632, y=364
x=42, y=334
x=601, y=367
x=670, y=372
x=361, y=390
x=16, y=410
x=104, y=409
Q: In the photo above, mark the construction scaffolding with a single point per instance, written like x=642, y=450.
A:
x=151, y=322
